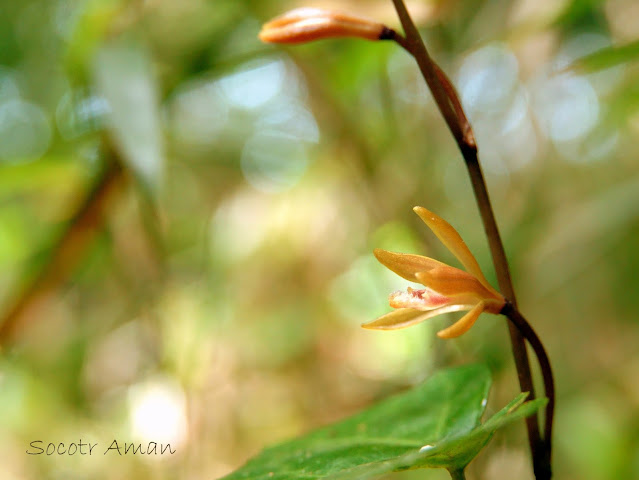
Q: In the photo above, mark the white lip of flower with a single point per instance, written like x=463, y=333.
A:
x=420, y=299
x=448, y=289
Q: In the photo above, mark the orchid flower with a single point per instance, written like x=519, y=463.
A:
x=447, y=289
x=307, y=24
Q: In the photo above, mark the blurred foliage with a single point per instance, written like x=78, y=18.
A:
x=607, y=58
x=186, y=227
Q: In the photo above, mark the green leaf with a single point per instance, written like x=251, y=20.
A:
x=606, y=58
x=124, y=78
x=433, y=425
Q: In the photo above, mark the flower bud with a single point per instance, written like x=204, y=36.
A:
x=307, y=24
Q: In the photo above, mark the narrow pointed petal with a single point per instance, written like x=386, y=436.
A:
x=450, y=281
x=406, y=317
x=462, y=325
x=406, y=265
x=453, y=242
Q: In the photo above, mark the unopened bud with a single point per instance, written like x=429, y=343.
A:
x=307, y=24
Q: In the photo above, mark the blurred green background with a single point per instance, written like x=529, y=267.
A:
x=187, y=218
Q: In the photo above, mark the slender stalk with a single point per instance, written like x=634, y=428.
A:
x=457, y=474
x=505, y=285
x=448, y=102
x=518, y=320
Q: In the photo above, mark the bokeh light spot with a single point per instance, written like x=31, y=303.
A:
x=77, y=115
x=254, y=84
x=290, y=119
x=158, y=412
x=199, y=112
x=567, y=107
x=487, y=79
x=273, y=162
x=25, y=132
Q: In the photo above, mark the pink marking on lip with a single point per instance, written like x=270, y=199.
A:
x=422, y=299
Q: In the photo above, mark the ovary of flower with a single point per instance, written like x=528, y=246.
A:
x=307, y=24
x=447, y=289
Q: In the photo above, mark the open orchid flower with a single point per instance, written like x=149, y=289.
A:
x=447, y=289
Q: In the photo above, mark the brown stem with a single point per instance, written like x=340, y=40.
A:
x=468, y=138
x=448, y=102
x=517, y=319
x=500, y=262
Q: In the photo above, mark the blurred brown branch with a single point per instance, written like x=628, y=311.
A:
x=67, y=250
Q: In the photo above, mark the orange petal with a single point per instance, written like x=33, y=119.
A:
x=450, y=281
x=453, y=241
x=462, y=325
x=406, y=265
x=406, y=317
x=308, y=24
